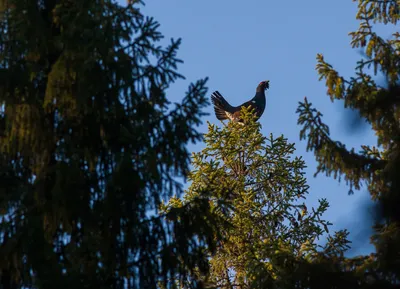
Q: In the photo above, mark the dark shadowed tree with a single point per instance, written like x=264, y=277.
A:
x=377, y=167
x=89, y=147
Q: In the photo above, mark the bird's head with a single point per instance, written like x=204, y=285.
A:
x=263, y=85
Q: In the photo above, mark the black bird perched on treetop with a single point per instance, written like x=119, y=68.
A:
x=223, y=110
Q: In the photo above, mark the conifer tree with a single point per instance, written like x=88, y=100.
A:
x=90, y=145
x=267, y=235
x=376, y=166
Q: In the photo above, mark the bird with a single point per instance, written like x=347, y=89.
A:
x=223, y=110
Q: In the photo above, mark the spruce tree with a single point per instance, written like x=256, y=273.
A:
x=268, y=237
x=378, y=104
x=90, y=145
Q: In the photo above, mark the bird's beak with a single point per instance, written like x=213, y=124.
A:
x=266, y=84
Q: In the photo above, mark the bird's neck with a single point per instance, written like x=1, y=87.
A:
x=260, y=96
x=260, y=89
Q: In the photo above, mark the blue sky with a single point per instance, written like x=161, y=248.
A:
x=237, y=44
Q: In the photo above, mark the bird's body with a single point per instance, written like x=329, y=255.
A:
x=223, y=110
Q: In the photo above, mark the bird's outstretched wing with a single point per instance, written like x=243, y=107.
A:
x=221, y=107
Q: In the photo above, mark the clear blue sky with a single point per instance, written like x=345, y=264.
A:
x=237, y=44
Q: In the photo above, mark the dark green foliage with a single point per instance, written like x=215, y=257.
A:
x=89, y=147
x=378, y=167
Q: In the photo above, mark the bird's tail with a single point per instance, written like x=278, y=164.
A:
x=221, y=106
